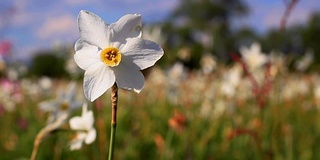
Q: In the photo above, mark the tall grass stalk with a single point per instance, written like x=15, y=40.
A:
x=45, y=132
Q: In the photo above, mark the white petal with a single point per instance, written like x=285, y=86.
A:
x=88, y=120
x=244, y=51
x=128, y=76
x=143, y=53
x=49, y=106
x=97, y=79
x=255, y=48
x=128, y=26
x=86, y=55
x=93, y=29
x=91, y=136
x=76, y=123
x=84, y=109
x=76, y=145
x=81, y=44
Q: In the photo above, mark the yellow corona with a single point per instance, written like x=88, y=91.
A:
x=110, y=56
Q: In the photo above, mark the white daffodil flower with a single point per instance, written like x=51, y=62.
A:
x=63, y=104
x=84, y=126
x=208, y=63
x=305, y=62
x=253, y=56
x=113, y=53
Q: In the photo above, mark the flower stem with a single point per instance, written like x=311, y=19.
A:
x=114, y=103
x=45, y=132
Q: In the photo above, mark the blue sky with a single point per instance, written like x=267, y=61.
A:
x=265, y=14
x=34, y=25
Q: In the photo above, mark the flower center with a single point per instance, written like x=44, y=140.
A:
x=64, y=106
x=110, y=56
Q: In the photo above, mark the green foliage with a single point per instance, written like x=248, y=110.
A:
x=48, y=64
x=210, y=19
x=310, y=34
x=214, y=20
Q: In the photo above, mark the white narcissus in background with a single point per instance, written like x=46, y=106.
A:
x=113, y=53
x=253, y=56
x=85, y=130
x=305, y=62
x=64, y=104
x=208, y=63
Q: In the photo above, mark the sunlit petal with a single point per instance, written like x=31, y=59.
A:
x=128, y=26
x=91, y=136
x=76, y=123
x=143, y=53
x=76, y=145
x=89, y=119
x=97, y=79
x=86, y=57
x=93, y=29
x=128, y=76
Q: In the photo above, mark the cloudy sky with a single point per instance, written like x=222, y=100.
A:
x=33, y=25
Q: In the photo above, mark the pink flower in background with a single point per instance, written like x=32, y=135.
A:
x=5, y=47
x=10, y=94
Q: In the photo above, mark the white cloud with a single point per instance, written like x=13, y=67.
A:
x=22, y=16
x=64, y=27
x=14, y=13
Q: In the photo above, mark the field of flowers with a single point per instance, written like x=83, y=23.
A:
x=262, y=106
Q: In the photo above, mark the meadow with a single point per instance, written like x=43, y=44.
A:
x=226, y=112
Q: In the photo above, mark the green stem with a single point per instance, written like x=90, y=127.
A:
x=168, y=149
x=114, y=103
x=112, y=140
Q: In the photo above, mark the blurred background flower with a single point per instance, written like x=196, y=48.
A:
x=83, y=125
